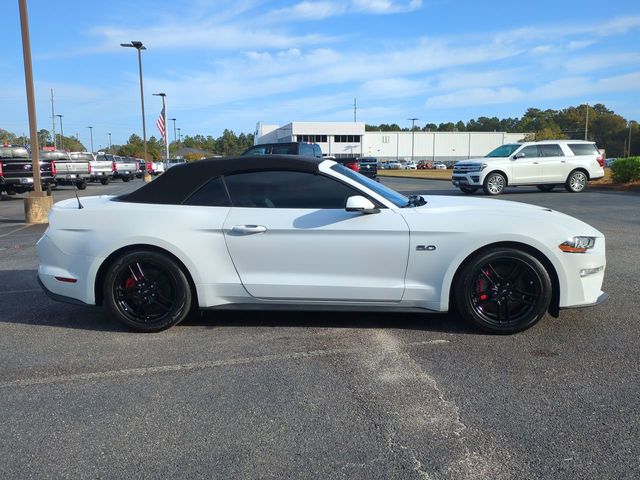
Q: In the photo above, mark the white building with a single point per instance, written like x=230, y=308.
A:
x=341, y=139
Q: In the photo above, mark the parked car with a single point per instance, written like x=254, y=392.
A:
x=100, y=170
x=367, y=166
x=545, y=164
x=394, y=165
x=124, y=168
x=16, y=170
x=172, y=162
x=298, y=232
x=289, y=148
x=440, y=166
x=410, y=166
x=609, y=161
x=69, y=171
x=158, y=168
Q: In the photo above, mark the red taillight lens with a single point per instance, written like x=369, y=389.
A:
x=89, y=167
x=53, y=168
x=1, y=172
x=113, y=166
x=600, y=161
x=353, y=166
x=149, y=166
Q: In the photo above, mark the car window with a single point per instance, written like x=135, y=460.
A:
x=584, y=149
x=213, y=194
x=256, y=151
x=530, y=151
x=284, y=150
x=503, y=150
x=552, y=150
x=282, y=189
x=317, y=152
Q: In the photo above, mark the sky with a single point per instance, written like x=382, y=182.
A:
x=229, y=64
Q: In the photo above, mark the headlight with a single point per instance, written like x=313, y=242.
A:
x=578, y=244
x=477, y=168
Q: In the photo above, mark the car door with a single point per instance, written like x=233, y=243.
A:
x=554, y=163
x=290, y=237
x=526, y=165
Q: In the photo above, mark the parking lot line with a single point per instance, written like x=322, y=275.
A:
x=143, y=371
x=16, y=230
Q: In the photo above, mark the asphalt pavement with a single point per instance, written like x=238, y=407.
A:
x=322, y=395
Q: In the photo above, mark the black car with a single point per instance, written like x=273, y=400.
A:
x=16, y=174
x=290, y=148
x=367, y=166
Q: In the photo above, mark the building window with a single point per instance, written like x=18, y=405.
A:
x=312, y=138
x=385, y=139
x=346, y=138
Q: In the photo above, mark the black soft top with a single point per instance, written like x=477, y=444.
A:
x=178, y=183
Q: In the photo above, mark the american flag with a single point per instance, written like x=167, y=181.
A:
x=162, y=127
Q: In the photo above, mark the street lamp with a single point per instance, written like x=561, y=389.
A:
x=413, y=124
x=91, y=132
x=61, y=133
x=109, y=141
x=139, y=47
x=174, y=129
x=164, y=121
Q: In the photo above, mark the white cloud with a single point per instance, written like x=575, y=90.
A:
x=475, y=97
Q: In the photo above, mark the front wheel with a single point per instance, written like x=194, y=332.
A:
x=503, y=291
x=576, y=181
x=545, y=188
x=105, y=181
x=494, y=184
x=147, y=291
x=125, y=179
x=469, y=190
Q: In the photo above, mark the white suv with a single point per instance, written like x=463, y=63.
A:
x=545, y=164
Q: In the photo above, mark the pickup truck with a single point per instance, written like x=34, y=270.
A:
x=367, y=166
x=16, y=175
x=100, y=167
x=68, y=171
x=122, y=167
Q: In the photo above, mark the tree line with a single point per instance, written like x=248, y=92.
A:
x=608, y=129
x=603, y=126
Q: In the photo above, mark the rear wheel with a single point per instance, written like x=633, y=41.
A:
x=545, y=188
x=105, y=181
x=469, y=190
x=576, y=181
x=125, y=179
x=503, y=291
x=81, y=185
x=147, y=291
x=494, y=184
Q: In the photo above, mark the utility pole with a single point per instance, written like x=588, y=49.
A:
x=53, y=122
x=413, y=124
x=355, y=109
x=61, y=133
x=174, y=129
x=91, y=132
x=630, y=125
x=586, y=123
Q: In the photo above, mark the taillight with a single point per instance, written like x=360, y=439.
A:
x=353, y=166
x=113, y=167
x=149, y=167
x=53, y=168
x=600, y=161
x=89, y=167
x=1, y=171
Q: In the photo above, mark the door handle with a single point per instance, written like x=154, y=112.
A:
x=563, y=161
x=248, y=229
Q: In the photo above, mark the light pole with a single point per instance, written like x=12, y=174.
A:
x=413, y=124
x=163, y=130
x=174, y=129
x=109, y=142
x=91, y=132
x=37, y=205
x=630, y=125
x=139, y=47
x=586, y=123
x=61, y=133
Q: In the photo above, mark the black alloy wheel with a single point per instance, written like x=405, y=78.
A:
x=545, y=188
x=469, y=190
x=503, y=291
x=147, y=291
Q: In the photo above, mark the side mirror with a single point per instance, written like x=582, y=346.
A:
x=358, y=203
x=519, y=155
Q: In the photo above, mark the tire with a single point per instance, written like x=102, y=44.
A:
x=82, y=185
x=503, y=291
x=576, y=181
x=105, y=181
x=125, y=179
x=469, y=190
x=545, y=188
x=494, y=184
x=147, y=291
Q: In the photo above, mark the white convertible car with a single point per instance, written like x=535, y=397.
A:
x=266, y=232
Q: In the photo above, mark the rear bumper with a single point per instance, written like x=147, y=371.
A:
x=59, y=298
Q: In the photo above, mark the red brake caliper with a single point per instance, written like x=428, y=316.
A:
x=129, y=283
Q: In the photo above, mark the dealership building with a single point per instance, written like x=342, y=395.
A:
x=340, y=139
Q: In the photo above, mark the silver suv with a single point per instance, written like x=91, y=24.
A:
x=545, y=164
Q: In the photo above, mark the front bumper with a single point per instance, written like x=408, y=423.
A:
x=466, y=179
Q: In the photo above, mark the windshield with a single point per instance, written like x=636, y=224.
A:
x=503, y=150
x=394, y=197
